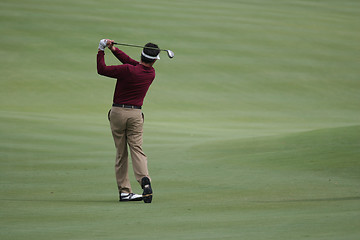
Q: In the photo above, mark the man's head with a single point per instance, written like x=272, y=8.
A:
x=150, y=53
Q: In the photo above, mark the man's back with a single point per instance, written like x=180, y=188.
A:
x=132, y=87
x=133, y=78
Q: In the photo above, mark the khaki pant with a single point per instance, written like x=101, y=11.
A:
x=127, y=129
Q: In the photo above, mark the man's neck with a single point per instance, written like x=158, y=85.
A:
x=146, y=64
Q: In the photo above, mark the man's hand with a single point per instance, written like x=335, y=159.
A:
x=102, y=44
x=106, y=43
x=111, y=44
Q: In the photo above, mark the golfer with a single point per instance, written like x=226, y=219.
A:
x=126, y=118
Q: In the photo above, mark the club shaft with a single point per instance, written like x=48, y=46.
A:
x=132, y=45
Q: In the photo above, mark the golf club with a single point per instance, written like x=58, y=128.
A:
x=169, y=52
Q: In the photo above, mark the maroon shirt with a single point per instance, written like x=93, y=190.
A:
x=133, y=78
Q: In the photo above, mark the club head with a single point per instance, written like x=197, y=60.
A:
x=170, y=53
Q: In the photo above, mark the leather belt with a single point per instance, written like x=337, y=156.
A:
x=126, y=106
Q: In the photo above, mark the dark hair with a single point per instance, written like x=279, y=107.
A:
x=153, y=51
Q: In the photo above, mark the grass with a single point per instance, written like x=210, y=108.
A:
x=252, y=130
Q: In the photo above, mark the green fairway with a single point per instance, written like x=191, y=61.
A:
x=252, y=130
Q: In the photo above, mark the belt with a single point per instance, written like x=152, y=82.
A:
x=126, y=106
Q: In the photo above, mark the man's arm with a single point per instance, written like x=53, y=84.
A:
x=102, y=69
x=120, y=55
x=123, y=57
x=111, y=71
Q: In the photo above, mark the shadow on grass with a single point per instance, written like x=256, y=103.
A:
x=68, y=201
x=312, y=200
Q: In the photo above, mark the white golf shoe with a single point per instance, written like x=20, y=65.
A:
x=125, y=197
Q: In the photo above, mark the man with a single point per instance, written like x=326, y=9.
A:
x=126, y=119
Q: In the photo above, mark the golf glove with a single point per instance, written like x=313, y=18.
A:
x=102, y=44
